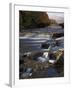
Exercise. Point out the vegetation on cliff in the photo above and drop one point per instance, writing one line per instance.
(32, 19)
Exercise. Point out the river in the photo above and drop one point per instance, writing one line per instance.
(33, 39)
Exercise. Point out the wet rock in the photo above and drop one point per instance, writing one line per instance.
(57, 35)
(42, 59)
(26, 75)
(52, 56)
(29, 70)
(52, 61)
(45, 46)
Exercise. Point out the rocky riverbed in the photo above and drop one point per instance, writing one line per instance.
(41, 53)
(30, 67)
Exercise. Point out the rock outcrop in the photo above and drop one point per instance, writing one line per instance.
(33, 19)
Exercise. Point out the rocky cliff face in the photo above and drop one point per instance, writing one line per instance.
(33, 19)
